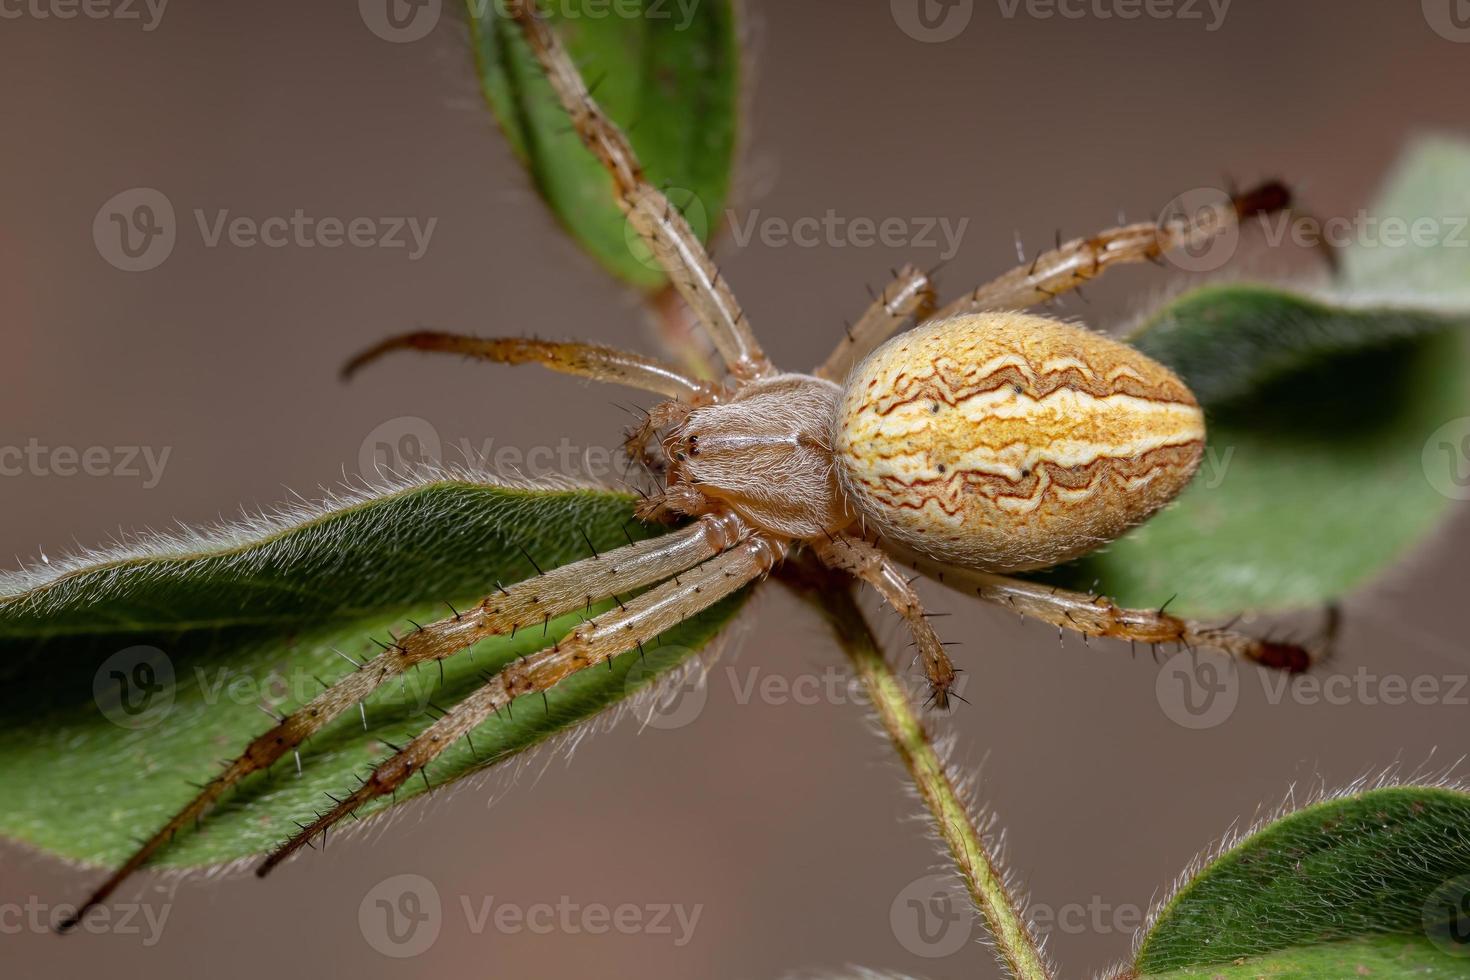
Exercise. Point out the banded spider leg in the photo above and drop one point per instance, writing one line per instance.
(673, 243)
(532, 603)
(1050, 274)
(634, 623)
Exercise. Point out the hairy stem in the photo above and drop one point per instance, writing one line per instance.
(1014, 942)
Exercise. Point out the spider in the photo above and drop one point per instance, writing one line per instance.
(984, 441)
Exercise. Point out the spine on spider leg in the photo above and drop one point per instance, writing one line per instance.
(1099, 616)
(648, 210)
(866, 563)
(591, 644)
(533, 602)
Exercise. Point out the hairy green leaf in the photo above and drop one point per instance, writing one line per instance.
(1322, 466)
(1387, 861)
(129, 677)
(668, 76)
(1381, 956)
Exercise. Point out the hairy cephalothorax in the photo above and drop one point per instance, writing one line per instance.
(983, 442)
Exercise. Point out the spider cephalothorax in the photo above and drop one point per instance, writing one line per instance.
(765, 452)
(984, 441)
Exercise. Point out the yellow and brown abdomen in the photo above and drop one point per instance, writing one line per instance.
(1006, 441)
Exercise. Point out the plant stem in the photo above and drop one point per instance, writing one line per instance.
(1014, 942)
(679, 334)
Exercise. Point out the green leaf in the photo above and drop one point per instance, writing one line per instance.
(126, 678)
(668, 76)
(1431, 181)
(1323, 414)
(1381, 957)
(1322, 886)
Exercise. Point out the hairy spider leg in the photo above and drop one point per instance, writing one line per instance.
(1096, 615)
(673, 243)
(1072, 264)
(869, 564)
(637, 621)
(909, 296)
(531, 603)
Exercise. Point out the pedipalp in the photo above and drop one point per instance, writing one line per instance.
(594, 361)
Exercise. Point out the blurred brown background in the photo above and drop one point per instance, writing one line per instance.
(784, 824)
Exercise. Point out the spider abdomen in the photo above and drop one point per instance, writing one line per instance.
(1006, 441)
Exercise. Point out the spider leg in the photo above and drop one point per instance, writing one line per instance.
(674, 244)
(869, 564)
(910, 294)
(638, 621)
(530, 603)
(1096, 615)
(585, 360)
(1074, 263)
